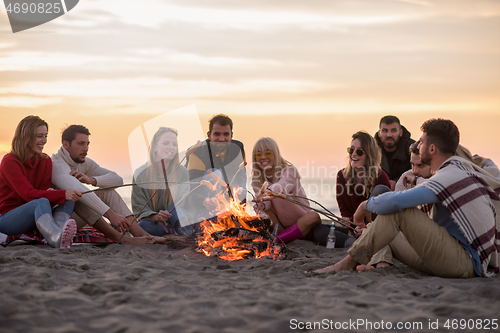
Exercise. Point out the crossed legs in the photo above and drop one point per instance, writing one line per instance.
(429, 247)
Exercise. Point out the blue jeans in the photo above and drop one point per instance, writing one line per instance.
(171, 227)
(23, 219)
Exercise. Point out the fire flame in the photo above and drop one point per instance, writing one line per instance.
(231, 214)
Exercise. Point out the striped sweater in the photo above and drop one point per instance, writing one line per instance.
(471, 196)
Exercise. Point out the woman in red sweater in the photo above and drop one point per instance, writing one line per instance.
(357, 181)
(26, 192)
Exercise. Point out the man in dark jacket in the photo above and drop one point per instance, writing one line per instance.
(394, 141)
(223, 156)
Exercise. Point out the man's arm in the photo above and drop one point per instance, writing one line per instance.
(63, 180)
(103, 177)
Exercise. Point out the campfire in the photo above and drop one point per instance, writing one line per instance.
(234, 234)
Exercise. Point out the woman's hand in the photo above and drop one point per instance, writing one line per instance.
(73, 195)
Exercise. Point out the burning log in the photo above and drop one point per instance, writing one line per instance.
(235, 235)
(240, 233)
(236, 243)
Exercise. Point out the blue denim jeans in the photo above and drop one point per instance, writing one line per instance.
(171, 227)
(23, 219)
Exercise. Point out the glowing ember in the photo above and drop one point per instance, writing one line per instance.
(234, 234)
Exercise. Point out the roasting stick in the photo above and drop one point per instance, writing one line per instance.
(188, 152)
(133, 184)
(241, 167)
(330, 216)
(335, 216)
(201, 183)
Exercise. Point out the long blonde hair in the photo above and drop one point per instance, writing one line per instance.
(153, 170)
(258, 175)
(465, 153)
(25, 137)
(372, 163)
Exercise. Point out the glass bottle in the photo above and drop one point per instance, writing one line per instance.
(330, 241)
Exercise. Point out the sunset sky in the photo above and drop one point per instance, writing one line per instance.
(307, 73)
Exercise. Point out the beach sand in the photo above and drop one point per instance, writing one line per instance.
(152, 288)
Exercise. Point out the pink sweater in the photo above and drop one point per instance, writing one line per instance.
(287, 212)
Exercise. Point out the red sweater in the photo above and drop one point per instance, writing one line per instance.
(21, 183)
(347, 198)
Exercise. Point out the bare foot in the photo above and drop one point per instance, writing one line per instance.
(363, 268)
(138, 240)
(346, 264)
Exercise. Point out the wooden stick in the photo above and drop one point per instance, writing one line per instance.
(333, 218)
(203, 182)
(133, 184)
(241, 167)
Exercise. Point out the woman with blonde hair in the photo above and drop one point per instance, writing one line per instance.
(160, 215)
(26, 193)
(484, 163)
(294, 221)
(357, 181)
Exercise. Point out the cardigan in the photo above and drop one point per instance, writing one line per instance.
(141, 193)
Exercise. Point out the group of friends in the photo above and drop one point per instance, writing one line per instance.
(430, 204)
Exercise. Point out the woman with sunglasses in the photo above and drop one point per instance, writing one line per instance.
(26, 193)
(156, 202)
(294, 221)
(356, 182)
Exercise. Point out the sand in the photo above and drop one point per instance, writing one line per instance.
(152, 288)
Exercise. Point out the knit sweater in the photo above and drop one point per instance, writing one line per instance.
(141, 193)
(21, 183)
(470, 195)
(63, 164)
(289, 183)
(349, 199)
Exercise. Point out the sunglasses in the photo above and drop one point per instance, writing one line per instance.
(267, 154)
(351, 150)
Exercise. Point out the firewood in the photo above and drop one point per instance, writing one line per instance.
(240, 233)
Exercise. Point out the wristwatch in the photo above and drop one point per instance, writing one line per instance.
(415, 181)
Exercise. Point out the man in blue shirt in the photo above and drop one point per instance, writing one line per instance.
(459, 240)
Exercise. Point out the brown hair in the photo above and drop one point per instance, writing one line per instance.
(443, 133)
(220, 119)
(25, 137)
(389, 120)
(69, 134)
